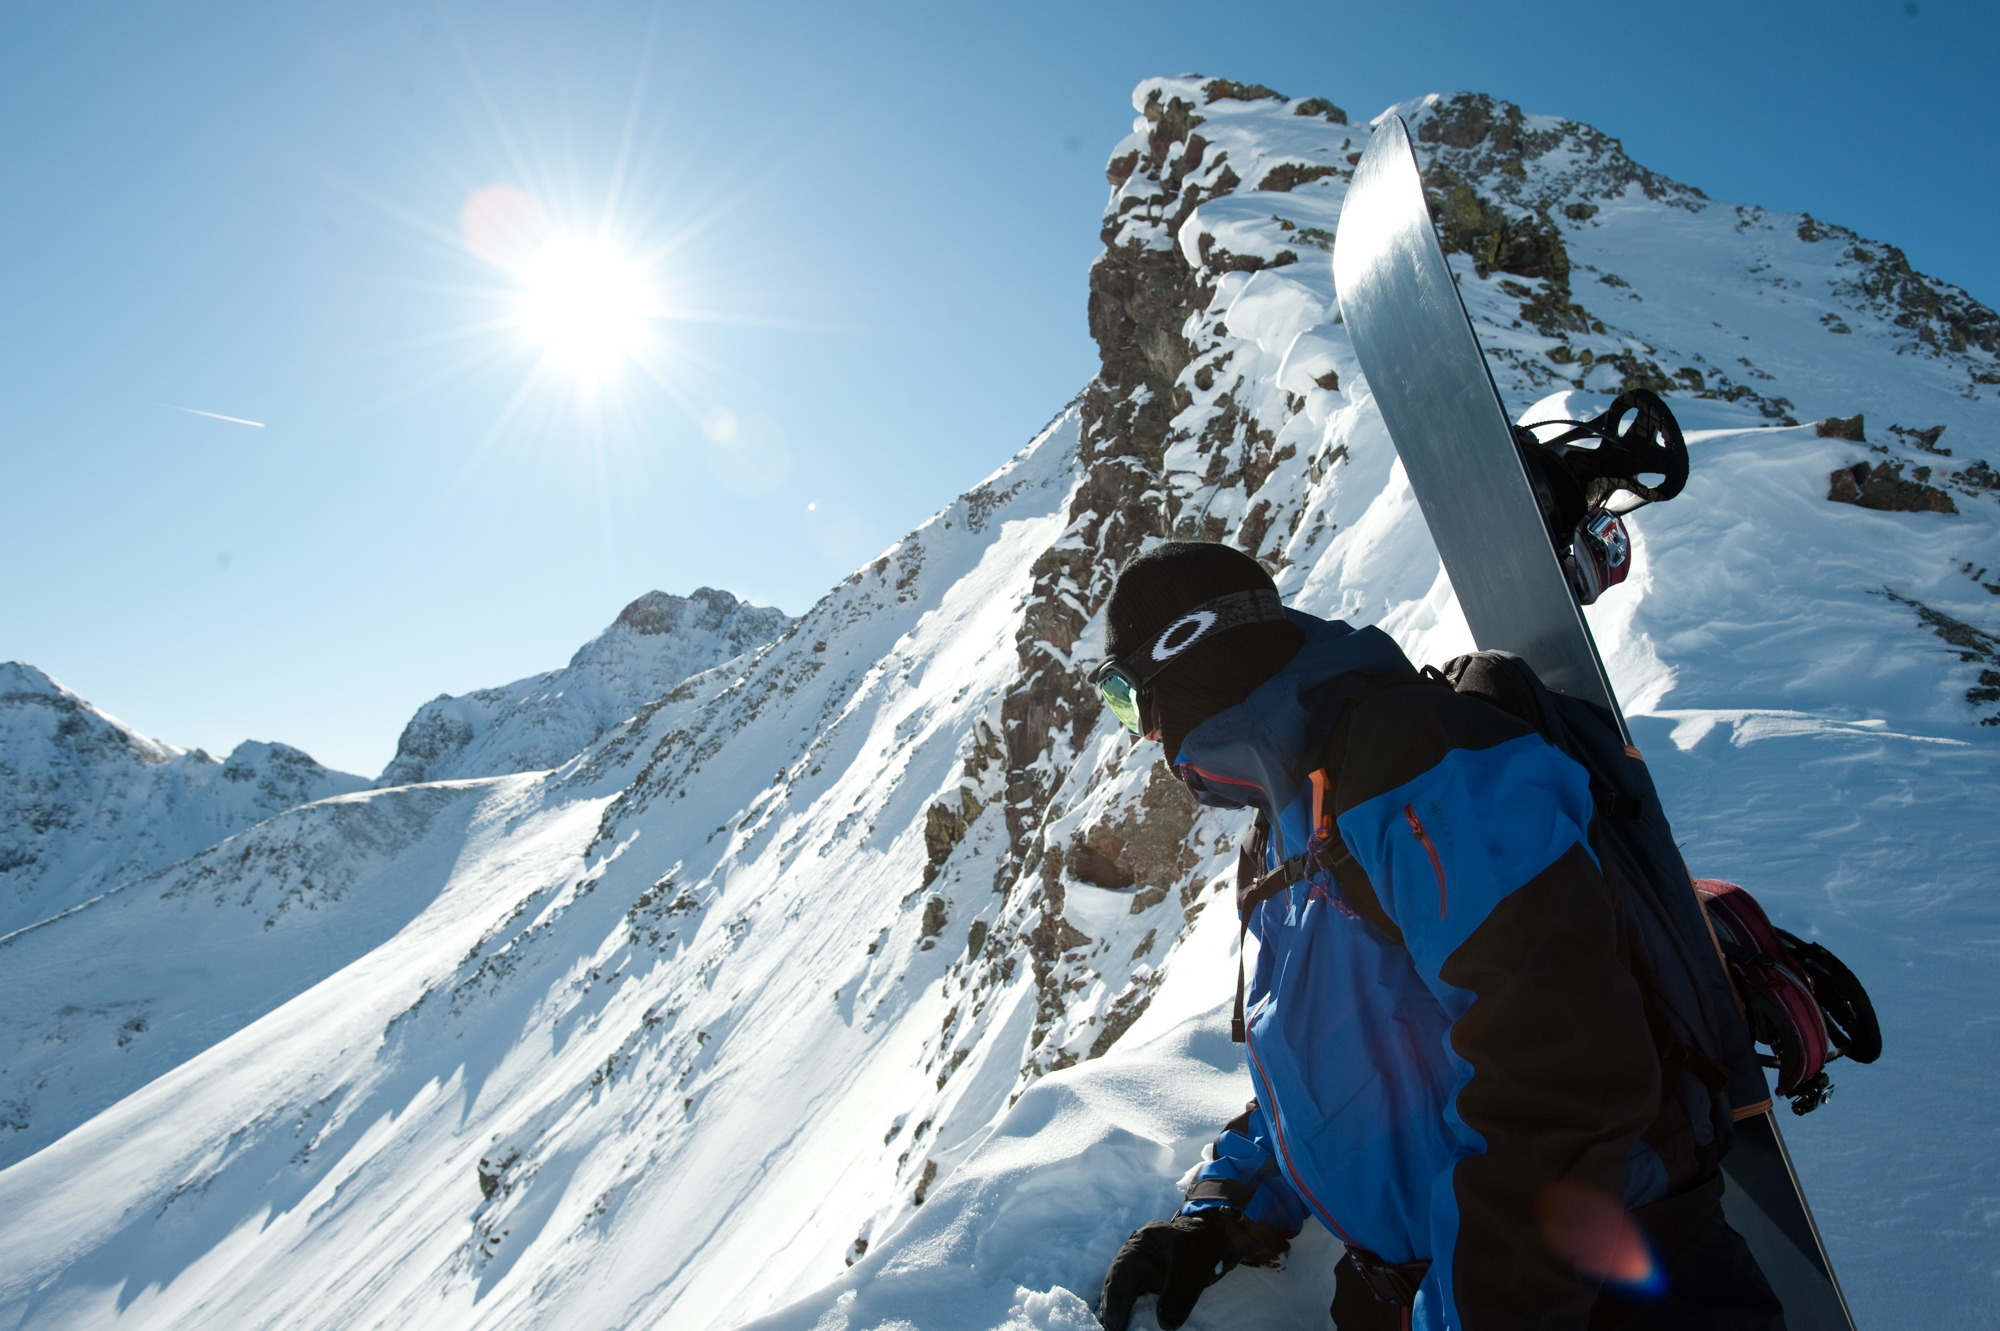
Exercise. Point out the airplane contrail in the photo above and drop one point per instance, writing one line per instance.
(215, 416)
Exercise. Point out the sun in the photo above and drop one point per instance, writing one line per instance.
(585, 303)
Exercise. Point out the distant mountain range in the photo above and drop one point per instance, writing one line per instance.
(858, 971)
(87, 802)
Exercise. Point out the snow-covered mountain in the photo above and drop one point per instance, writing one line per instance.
(86, 802)
(545, 720)
(129, 985)
(882, 981)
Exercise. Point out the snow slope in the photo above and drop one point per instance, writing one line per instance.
(88, 802)
(889, 949)
(134, 982)
(543, 721)
(705, 971)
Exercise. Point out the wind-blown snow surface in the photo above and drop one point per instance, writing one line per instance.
(87, 802)
(891, 937)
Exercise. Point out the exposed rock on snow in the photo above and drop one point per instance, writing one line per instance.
(545, 720)
(86, 802)
(1882, 486)
(888, 912)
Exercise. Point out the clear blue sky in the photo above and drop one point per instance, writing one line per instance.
(882, 213)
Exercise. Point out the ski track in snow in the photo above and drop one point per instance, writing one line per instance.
(652, 1039)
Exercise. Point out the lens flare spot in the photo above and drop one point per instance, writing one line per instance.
(1593, 1231)
(502, 225)
(585, 303)
(840, 534)
(720, 425)
(749, 455)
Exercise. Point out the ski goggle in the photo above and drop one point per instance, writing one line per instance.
(1122, 683)
(1120, 693)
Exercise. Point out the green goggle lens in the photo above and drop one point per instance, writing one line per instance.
(1122, 697)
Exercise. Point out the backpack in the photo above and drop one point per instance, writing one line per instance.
(1702, 1029)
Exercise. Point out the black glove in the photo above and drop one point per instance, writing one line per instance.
(1177, 1259)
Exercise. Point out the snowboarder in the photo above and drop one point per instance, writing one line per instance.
(1453, 1065)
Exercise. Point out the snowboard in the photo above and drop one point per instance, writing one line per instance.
(1436, 393)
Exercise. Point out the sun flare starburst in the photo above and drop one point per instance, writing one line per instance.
(600, 305)
(585, 303)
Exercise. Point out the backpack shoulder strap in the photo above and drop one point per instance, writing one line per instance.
(1254, 887)
(1348, 875)
(1334, 756)
(1355, 889)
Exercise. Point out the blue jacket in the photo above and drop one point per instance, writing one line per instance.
(1431, 1083)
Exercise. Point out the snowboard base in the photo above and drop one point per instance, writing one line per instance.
(1762, 1200)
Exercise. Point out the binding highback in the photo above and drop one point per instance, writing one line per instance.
(1801, 1001)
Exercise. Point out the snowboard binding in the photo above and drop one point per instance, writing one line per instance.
(1584, 492)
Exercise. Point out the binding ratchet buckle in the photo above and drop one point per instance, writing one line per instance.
(1600, 555)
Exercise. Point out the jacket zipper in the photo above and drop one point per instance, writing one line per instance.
(1284, 1150)
(1437, 865)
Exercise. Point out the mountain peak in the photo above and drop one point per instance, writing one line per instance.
(660, 612)
(20, 677)
(533, 724)
(27, 690)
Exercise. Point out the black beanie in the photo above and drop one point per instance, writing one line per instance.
(1165, 583)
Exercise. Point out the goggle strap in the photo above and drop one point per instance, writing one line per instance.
(1235, 610)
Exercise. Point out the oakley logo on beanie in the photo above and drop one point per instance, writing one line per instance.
(1163, 600)
(1235, 610)
(1182, 634)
